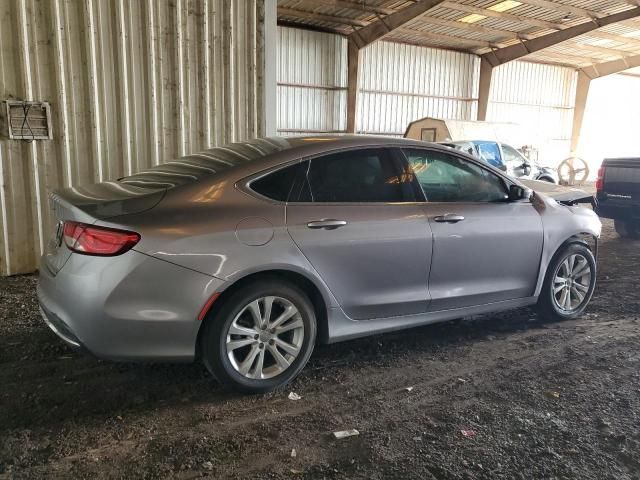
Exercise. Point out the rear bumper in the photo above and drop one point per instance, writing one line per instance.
(132, 307)
(60, 328)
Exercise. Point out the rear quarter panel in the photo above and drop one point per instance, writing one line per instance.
(217, 229)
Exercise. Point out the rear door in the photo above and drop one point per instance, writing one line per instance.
(353, 214)
(485, 248)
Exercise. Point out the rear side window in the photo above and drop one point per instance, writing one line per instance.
(355, 176)
(277, 185)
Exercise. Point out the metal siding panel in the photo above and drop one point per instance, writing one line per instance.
(540, 98)
(131, 84)
(312, 80)
(401, 83)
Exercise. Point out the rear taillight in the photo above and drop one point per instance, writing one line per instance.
(600, 179)
(102, 241)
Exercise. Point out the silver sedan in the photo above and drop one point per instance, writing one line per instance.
(247, 255)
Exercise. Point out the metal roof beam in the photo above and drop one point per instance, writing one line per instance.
(471, 27)
(356, 6)
(386, 25)
(603, 69)
(468, 42)
(504, 15)
(513, 52)
(581, 12)
(321, 17)
(614, 37)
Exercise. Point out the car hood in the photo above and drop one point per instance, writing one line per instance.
(560, 193)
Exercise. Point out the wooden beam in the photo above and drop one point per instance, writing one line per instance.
(603, 69)
(385, 25)
(321, 17)
(582, 92)
(486, 73)
(513, 52)
(353, 67)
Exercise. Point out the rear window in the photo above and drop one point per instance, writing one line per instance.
(196, 166)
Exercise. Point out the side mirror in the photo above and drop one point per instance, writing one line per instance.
(526, 169)
(516, 192)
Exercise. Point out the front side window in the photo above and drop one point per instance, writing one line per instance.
(448, 178)
(355, 176)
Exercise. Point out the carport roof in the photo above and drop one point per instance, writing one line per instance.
(484, 27)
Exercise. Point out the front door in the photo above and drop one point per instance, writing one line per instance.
(354, 216)
(485, 248)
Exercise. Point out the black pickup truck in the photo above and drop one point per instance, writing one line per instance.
(618, 194)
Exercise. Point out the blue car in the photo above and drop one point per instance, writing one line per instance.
(506, 158)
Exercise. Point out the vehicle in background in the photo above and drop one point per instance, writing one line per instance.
(506, 158)
(618, 194)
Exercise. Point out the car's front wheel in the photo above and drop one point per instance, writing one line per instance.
(569, 283)
(261, 337)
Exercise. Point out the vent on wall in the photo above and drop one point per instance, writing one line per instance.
(28, 120)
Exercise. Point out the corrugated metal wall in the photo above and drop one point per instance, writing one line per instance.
(402, 83)
(312, 82)
(398, 84)
(540, 98)
(131, 84)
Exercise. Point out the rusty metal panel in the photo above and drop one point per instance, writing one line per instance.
(312, 82)
(401, 83)
(130, 83)
(541, 99)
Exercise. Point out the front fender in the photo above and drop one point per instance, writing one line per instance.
(563, 225)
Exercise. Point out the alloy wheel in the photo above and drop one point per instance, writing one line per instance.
(571, 282)
(265, 337)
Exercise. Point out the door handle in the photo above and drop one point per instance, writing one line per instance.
(327, 224)
(449, 218)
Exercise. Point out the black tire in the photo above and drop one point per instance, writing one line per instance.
(547, 302)
(214, 336)
(626, 229)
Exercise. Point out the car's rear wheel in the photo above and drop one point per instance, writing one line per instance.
(569, 283)
(627, 229)
(261, 337)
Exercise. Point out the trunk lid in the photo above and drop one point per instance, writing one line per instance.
(142, 191)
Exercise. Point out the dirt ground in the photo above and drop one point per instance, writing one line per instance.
(535, 399)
